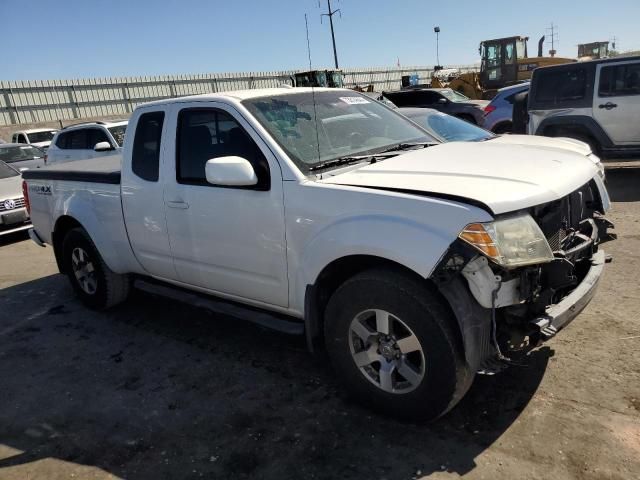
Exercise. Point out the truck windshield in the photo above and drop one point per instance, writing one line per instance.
(36, 137)
(6, 171)
(118, 133)
(454, 96)
(316, 127)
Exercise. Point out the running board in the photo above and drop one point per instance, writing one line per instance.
(272, 321)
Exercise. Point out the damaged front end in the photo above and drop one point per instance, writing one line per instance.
(512, 287)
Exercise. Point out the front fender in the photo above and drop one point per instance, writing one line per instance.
(417, 246)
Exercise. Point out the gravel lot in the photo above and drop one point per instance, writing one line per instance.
(158, 389)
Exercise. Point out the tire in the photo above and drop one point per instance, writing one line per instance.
(439, 375)
(97, 286)
(502, 128)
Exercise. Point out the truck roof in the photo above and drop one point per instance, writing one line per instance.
(245, 94)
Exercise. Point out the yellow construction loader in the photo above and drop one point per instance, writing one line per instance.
(504, 61)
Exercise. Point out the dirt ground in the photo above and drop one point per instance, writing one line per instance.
(157, 389)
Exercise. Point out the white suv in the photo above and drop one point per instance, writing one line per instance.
(597, 102)
(87, 140)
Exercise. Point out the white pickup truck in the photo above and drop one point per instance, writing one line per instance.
(414, 264)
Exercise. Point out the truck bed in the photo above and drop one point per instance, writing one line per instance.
(95, 170)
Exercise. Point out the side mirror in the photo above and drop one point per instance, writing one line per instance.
(230, 171)
(103, 147)
(442, 101)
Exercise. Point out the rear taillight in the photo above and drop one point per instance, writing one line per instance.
(25, 194)
(488, 109)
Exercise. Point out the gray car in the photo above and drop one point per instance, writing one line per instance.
(498, 115)
(13, 214)
(21, 156)
(444, 100)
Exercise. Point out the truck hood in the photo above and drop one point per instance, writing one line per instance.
(502, 178)
(545, 142)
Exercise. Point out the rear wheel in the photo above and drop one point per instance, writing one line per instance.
(393, 345)
(503, 128)
(93, 281)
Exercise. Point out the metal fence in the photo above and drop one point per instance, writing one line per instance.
(36, 101)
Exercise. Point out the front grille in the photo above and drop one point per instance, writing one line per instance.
(555, 239)
(19, 203)
(559, 218)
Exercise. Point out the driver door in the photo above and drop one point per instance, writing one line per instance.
(230, 240)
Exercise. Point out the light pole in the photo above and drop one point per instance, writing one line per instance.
(437, 30)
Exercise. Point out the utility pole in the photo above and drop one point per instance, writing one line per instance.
(554, 39)
(437, 31)
(333, 37)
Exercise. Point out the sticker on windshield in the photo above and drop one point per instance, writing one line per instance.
(354, 100)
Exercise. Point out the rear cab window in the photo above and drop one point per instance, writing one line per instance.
(145, 159)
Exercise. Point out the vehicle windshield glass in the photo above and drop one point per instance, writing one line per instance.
(348, 124)
(6, 171)
(118, 133)
(36, 137)
(449, 128)
(19, 154)
(454, 96)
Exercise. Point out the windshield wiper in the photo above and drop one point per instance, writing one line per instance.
(339, 161)
(408, 145)
(349, 159)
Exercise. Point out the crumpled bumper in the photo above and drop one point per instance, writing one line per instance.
(561, 314)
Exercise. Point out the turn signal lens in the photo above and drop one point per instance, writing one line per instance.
(476, 235)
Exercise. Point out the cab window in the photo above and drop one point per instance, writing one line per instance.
(145, 159)
(619, 80)
(206, 133)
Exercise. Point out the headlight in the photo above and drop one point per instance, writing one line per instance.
(510, 242)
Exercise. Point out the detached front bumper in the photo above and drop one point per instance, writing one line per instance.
(561, 314)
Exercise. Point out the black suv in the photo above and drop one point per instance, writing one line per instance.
(445, 100)
(597, 102)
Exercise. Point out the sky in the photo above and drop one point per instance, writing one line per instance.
(63, 39)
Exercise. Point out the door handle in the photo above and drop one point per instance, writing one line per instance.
(607, 105)
(177, 204)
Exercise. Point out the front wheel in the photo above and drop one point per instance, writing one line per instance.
(93, 281)
(393, 345)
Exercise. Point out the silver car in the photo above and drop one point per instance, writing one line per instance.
(498, 115)
(13, 214)
(21, 156)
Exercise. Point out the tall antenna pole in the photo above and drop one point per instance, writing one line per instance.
(554, 39)
(333, 37)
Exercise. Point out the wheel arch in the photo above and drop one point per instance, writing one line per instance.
(63, 225)
(574, 123)
(335, 274)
